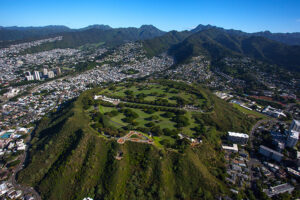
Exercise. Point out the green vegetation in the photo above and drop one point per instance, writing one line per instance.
(218, 43)
(130, 71)
(158, 107)
(250, 112)
(163, 43)
(70, 159)
(111, 37)
(13, 163)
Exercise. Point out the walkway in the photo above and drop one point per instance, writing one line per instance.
(139, 138)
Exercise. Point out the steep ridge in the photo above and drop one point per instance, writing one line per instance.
(216, 44)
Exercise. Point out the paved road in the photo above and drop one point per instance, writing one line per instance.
(253, 161)
(12, 180)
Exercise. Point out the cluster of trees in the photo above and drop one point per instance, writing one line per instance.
(181, 121)
(171, 86)
(200, 128)
(266, 103)
(140, 99)
(83, 66)
(112, 113)
(130, 71)
(87, 101)
(182, 86)
(151, 109)
(180, 101)
(101, 121)
(130, 116)
(102, 124)
(105, 103)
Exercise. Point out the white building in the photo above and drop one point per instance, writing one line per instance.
(13, 92)
(45, 71)
(240, 138)
(37, 75)
(279, 189)
(273, 112)
(295, 126)
(270, 153)
(58, 71)
(234, 148)
(292, 138)
(3, 189)
(29, 78)
(51, 74)
(20, 145)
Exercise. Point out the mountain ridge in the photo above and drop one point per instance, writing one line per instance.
(19, 33)
(217, 43)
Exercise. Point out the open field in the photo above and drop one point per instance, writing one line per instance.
(152, 93)
(250, 112)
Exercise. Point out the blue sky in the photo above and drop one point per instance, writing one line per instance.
(246, 15)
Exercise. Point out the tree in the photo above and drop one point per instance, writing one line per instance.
(150, 124)
(181, 121)
(167, 132)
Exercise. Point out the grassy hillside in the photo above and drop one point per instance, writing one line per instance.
(70, 160)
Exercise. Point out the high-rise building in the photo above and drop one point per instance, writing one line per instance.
(45, 71)
(58, 71)
(29, 78)
(50, 74)
(295, 126)
(292, 138)
(37, 75)
(27, 73)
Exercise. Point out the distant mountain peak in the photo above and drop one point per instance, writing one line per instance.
(149, 27)
(97, 26)
(22, 28)
(202, 27)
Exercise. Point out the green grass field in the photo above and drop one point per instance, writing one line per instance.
(143, 119)
(153, 92)
(250, 112)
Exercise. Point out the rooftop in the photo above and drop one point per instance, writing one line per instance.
(297, 122)
(238, 134)
(281, 188)
(233, 148)
(294, 134)
(270, 150)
